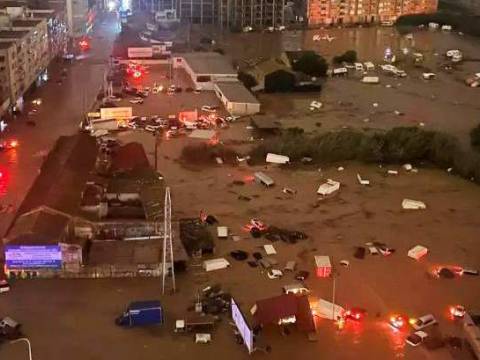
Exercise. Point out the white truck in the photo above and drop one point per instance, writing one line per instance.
(328, 310)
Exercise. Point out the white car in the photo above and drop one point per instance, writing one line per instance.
(208, 108)
(247, 29)
(423, 322)
(416, 338)
(152, 128)
(274, 274)
(428, 76)
(452, 53)
(4, 286)
(400, 73)
(388, 68)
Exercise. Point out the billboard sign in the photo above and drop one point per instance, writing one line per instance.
(242, 326)
(33, 257)
(140, 52)
(116, 113)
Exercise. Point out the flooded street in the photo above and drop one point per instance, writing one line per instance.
(370, 43)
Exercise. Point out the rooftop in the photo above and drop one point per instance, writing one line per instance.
(41, 226)
(63, 175)
(13, 34)
(236, 92)
(25, 23)
(209, 63)
(130, 156)
(131, 252)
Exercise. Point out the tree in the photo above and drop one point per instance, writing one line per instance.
(349, 56)
(279, 81)
(247, 79)
(475, 137)
(311, 63)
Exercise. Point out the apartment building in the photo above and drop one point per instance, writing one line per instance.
(56, 22)
(326, 12)
(197, 11)
(235, 14)
(24, 56)
(254, 13)
(80, 16)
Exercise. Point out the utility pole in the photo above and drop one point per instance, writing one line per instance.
(158, 139)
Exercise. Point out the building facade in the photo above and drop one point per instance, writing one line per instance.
(25, 56)
(253, 13)
(327, 12)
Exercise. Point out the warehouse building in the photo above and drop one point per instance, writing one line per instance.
(237, 99)
(205, 69)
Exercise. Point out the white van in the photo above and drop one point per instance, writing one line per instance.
(296, 289)
(340, 71)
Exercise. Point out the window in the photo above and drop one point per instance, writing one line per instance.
(203, 78)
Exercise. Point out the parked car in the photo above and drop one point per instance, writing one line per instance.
(423, 322)
(416, 338)
(136, 101)
(4, 286)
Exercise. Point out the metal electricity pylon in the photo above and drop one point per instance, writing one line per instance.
(167, 242)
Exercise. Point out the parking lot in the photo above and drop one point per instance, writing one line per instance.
(162, 103)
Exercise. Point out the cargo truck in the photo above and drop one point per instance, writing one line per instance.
(141, 313)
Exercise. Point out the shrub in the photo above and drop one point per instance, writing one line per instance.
(405, 144)
(279, 81)
(312, 64)
(349, 56)
(398, 145)
(204, 154)
(475, 137)
(247, 79)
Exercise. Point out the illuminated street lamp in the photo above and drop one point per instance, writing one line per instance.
(28, 343)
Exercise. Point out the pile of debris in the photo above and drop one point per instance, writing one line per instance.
(258, 229)
(212, 300)
(196, 237)
(274, 233)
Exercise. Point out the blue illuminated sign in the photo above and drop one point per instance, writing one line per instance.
(33, 257)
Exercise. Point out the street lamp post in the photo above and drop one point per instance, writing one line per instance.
(28, 343)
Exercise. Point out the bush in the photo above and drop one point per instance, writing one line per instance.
(398, 145)
(349, 56)
(204, 154)
(406, 144)
(248, 80)
(279, 81)
(475, 137)
(312, 64)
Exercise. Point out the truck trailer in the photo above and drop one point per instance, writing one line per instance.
(141, 313)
